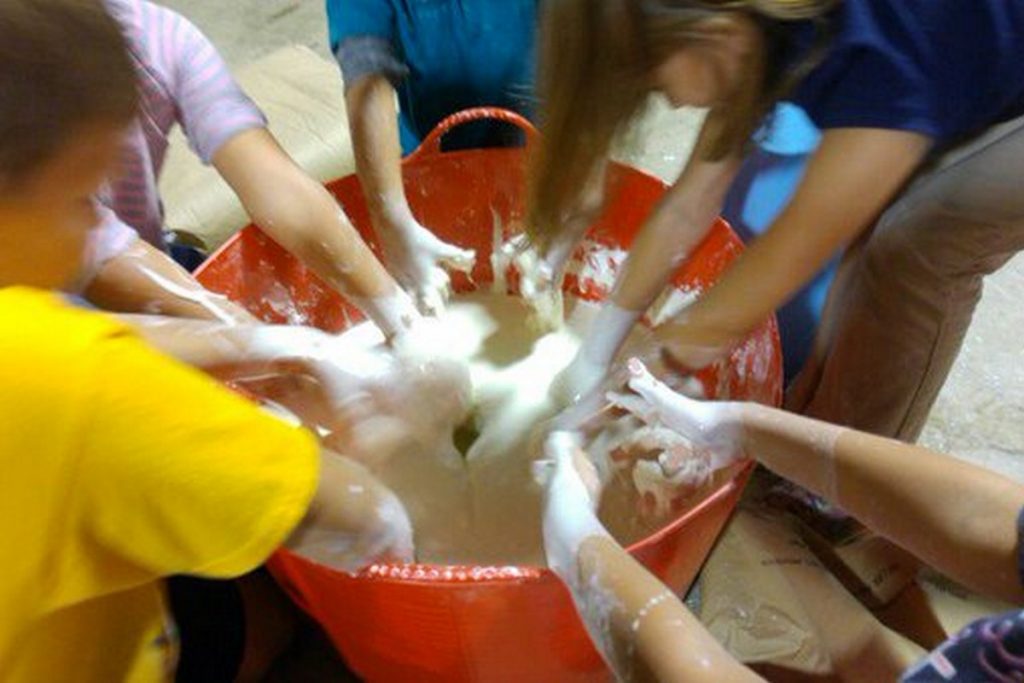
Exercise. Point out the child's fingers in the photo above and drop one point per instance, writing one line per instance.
(649, 389)
(432, 295)
(535, 278)
(564, 452)
(457, 259)
(646, 385)
(640, 378)
(634, 405)
(587, 472)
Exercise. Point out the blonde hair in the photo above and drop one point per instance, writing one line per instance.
(595, 76)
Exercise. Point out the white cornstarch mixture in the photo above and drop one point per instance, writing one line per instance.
(471, 495)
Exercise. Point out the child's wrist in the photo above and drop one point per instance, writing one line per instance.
(392, 210)
(606, 335)
(395, 313)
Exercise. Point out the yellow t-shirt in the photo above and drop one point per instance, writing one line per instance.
(119, 466)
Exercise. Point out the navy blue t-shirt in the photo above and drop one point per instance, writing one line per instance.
(943, 68)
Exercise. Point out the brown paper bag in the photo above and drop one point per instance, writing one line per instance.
(775, 606)
(874, 570)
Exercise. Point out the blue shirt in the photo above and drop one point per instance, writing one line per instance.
(458, 54)
(943, 68)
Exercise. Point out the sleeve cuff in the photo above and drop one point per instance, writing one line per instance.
(364, 56)
(281, 518)
(237, 118)
(109, 240)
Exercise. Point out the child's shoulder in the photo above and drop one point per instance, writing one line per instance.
(36, 321)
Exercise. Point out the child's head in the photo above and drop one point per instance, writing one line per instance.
(67, 92)
(600, 62)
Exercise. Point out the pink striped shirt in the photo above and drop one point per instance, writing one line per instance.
(182, 80)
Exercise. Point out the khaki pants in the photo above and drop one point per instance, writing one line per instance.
(903, 299)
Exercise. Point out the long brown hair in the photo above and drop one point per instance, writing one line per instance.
(595, 77)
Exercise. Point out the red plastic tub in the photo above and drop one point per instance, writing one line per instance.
(435, 623)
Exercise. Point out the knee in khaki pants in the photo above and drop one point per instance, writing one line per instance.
(895, 323)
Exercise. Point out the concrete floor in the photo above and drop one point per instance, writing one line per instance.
(980, 414)
(244, 30)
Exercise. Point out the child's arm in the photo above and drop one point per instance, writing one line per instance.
(353, 519)
(371, 400)
(177, 475)
(414, 254)
(303, 217)
(957, 517)
(666, 642)
(313, 373)
(141, 278)
(678, 224)
(233, 352)
(641, 629)
(850, 179)
(226, 129)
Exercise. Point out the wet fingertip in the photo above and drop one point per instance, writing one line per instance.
(468, 258)
(636, 367)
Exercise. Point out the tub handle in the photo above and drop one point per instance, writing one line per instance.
(431, 145)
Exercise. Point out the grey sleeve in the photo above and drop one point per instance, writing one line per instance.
(363, 56)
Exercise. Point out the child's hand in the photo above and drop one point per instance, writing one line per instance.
(716, 427)
(540, 281)
(353, 521)
(415, 405)
(418, 259)
(572, 490)
(594, 359)
(370, 402)
(433, 377)
(664, 467)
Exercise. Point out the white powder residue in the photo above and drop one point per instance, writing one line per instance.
(472, 496)
(486, 509)
(753, 358)
(502, 253)
(670, 304)
(597, 266)
(281, 302)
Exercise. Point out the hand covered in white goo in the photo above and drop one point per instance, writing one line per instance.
(684, 441)
(571, 493)
(370, 403)
(354, 520)
(707, 424)
(540, 280)
(418, 259)
(594, 358)
(416, 403)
